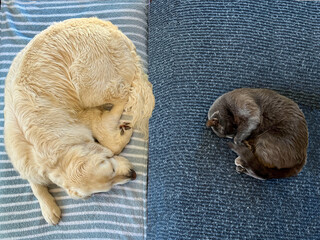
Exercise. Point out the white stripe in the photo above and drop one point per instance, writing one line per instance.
(9, 178)
(8, 170)
(143, 156)
(132, 26)
(27, 185)
(14, 195)
(19, 212)
(48, 23)
(96, 230)
(130, 155)
(12, 45)
(71, 206)
(139, 52)
(36, 32)
(63, 2)
(141, 139)
(129, 189)
(61, 223)
(56, 189)
(19, 178)
(14, 186)
(5, 62)
(48, 15)
(136, 147)
(14, 204)
(9, 53)
(38, 210)
(105, 195)
(4, 161)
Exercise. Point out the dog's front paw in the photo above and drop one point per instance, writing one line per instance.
(51, 213)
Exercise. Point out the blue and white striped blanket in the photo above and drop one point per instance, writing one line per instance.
(118, 214)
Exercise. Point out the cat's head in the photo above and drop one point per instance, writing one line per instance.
(222, 124)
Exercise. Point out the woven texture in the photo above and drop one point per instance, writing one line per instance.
(117, 214)
(199, 50)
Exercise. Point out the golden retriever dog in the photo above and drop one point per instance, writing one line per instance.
(54, 96)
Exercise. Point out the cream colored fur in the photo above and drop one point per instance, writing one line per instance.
(54, 92)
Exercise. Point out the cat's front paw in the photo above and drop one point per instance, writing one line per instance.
(240, 169)
(239, 165)
(237, 140)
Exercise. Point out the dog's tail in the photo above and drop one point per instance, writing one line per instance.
(255, 168)
(141, 102)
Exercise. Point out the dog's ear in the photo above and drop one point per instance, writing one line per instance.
(213, 122)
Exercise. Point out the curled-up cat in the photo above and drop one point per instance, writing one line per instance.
(269, 130)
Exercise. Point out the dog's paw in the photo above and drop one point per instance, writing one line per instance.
(51, 213)
(124, 127)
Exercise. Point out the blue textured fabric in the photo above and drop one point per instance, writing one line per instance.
(199, 50)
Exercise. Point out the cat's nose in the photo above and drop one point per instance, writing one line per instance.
(132, 174)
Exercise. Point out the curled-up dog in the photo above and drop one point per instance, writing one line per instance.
(54, 117)
(269, 131)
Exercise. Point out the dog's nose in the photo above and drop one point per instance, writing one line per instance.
(132, 174)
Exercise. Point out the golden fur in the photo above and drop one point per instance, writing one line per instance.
(54, 92)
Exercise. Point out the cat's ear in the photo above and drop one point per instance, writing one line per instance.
(215, 115)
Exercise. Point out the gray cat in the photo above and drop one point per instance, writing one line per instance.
(269, 131)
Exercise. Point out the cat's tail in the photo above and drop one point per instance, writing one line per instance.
(254, 167)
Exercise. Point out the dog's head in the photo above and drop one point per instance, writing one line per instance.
(91, 170)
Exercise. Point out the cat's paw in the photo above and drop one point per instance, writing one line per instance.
(239, 165)
(240, 169)
(237, 140)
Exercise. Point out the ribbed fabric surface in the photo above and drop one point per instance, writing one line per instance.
(199, 50)
(118, 214)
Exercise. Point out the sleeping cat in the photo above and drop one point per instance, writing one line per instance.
(269, 131)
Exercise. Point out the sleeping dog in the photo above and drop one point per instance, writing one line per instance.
(53, 96)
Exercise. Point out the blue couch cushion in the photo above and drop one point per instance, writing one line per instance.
(199, 50)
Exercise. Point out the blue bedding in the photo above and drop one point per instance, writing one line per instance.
(118, 214)
(199, 50)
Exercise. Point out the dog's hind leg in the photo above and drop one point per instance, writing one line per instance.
(49, 208)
